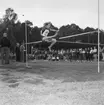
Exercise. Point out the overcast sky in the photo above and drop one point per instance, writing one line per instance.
(60, 12)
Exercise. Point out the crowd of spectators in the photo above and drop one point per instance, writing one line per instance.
(79, 54)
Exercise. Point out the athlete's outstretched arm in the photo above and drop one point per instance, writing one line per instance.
(56, 33)
(53, 30)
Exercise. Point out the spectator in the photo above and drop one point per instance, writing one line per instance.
(100, 56)
(103, 53)
(77, 54)
(22, 48)
(95, 53)
(83, 54)
(5, 48)
(74, 54)
(88, 54)
(91, 54)
(18, 52)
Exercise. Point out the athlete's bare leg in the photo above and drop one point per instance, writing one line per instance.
(52, 43)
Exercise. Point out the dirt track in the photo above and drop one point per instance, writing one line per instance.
(54, 84)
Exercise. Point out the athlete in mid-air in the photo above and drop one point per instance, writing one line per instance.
(45, 32)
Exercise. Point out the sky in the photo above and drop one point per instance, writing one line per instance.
(60, 12)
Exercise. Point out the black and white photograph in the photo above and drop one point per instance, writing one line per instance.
(51, 52)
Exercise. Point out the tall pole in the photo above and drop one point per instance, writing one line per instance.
(27, 66)
(98, 40)
(26, 43)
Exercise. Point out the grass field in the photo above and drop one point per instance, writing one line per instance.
(52, 83)
(77, 71)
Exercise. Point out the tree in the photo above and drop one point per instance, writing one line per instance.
(29, 23)
(10, 15)
(17, 32)
(17, 26)
(3, 25)
(10, 19)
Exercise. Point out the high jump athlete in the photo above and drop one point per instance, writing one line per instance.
(45, 32)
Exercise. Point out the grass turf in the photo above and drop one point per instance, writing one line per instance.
(64, 71)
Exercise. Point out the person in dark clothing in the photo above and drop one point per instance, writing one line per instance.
(5, 49)
(88, 54)
(22, 52)
(18, 52)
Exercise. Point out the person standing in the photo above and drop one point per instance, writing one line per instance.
(5, 48)
(22, 49)
(91, 54)
(103, 53)
(95, 53)
(18, 52)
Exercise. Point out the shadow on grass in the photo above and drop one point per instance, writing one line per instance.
(14, 85)
(35, 81)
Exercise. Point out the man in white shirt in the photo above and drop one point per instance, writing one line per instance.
(95, 53)
(91, 54)
(95, 50)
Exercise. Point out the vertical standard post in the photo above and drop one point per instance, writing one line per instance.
(26, 43)
(98, 41)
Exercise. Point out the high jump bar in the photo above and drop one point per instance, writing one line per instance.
(77, 34)
(64, 37)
